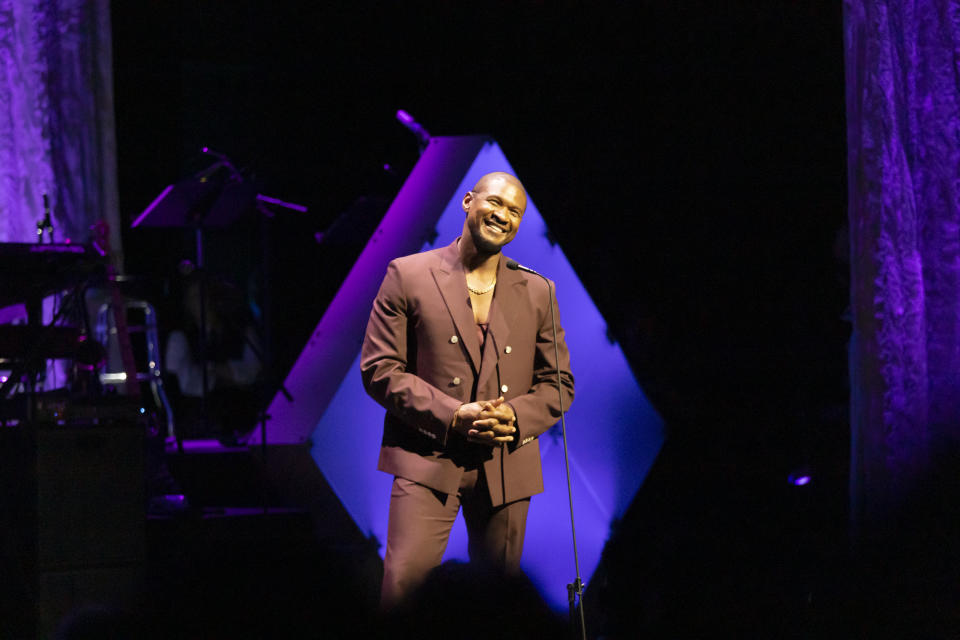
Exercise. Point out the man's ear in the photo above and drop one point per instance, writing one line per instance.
(467, 199)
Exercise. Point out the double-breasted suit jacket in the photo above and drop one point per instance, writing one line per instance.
(422, 359)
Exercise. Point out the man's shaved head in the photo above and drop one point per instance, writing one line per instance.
(498, 175)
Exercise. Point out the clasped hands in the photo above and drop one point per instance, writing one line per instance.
(487, 422)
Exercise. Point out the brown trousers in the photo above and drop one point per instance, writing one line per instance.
(419, 527)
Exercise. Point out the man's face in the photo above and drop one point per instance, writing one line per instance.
(494, 210)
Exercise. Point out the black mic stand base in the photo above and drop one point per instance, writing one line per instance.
(575, 601)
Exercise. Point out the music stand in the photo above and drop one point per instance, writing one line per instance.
(216, 197)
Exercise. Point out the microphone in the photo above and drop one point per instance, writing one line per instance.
(407, 120)
(215, 154)
(516, 266)
(222, 161)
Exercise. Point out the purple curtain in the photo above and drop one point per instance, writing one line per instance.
(56, 118)
(903, 108)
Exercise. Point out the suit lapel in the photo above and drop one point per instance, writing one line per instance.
(452, 282)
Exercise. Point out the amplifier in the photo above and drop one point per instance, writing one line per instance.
(72, 499)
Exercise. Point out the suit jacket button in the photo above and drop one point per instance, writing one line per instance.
(456, 381)
(504, 388)
(454, 339)
(507, 349)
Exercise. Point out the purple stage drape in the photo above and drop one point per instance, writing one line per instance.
(56, 118)
(903, 107)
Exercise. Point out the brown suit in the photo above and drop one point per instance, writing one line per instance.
(421, 360)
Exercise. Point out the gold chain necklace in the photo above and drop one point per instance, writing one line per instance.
(480, 292)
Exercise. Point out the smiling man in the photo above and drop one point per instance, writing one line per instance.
(459, 351)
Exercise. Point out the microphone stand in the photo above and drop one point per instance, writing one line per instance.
(271, 379)
(574, 589)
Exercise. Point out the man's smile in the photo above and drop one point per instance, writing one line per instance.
(493, 226)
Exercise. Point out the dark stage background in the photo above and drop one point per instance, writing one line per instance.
(688, 157)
